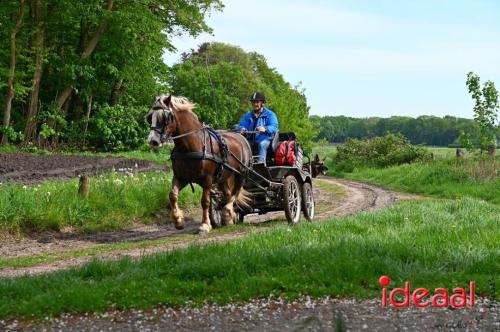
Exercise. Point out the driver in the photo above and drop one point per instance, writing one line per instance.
(261, 120)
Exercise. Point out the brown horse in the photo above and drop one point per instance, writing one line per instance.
(198, 157)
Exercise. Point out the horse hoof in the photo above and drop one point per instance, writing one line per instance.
(204, 228)
(179, 225)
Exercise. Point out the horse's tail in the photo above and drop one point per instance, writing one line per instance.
(244, 199)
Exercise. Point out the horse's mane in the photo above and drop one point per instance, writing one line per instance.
(182, 103)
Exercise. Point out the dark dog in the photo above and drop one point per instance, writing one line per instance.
(318, 167)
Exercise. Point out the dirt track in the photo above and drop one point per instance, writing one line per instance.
(28, 169)
(359, 197)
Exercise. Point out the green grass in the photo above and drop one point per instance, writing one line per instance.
(160, 156)
(50, 257)
(447, 176)
(115, 201)
(431, 243)
(450, 178)
(331, 188)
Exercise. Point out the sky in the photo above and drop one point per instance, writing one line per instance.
(364, 58)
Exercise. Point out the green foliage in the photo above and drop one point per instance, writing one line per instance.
(13, 135)
(115, 201)
(428, 130)
(125, 68)
(444, 177)
(391, 149)
(432, 243)
(485, 112)
(219, 78)
(118, 127)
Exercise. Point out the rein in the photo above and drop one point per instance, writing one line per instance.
(203, 127)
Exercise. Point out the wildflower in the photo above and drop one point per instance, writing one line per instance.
(118, 182)
(25, 187)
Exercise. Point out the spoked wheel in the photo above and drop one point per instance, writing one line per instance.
(308, 201)
(240, 215)
(292, 198)
(214, 212)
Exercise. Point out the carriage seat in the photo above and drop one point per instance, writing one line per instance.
(277, 139)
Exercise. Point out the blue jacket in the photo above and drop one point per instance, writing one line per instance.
(267, 119)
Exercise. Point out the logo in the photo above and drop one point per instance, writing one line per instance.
(422, 297)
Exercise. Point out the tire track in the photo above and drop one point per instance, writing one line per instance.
(360, 197)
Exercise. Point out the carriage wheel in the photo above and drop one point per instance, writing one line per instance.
(214, 212)
(291, 197)
(239, 216)
(308, 201)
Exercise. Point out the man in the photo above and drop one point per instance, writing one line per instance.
(261, 120)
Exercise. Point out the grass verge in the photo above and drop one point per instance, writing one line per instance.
(50, 257)
(432, 244)
(450, 178)
(115, 201)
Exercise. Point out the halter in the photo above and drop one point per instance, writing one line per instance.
(169, 117)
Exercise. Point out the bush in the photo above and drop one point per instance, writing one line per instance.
(117, 128)
(388, 150)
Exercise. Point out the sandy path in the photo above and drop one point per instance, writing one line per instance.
(360, 197)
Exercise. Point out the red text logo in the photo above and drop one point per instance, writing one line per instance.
(422, 297)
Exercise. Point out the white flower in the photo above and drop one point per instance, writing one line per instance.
(25, 187)
(118, 182)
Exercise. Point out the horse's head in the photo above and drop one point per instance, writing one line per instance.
(318, 167)
(161, 121)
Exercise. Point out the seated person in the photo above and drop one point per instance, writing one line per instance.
(261, 120)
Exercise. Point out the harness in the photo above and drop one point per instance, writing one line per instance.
(208, 132)
(204, 155)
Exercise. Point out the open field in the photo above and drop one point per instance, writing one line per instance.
(440, 152)
(447, 176)
(441, 243)
(432, 243)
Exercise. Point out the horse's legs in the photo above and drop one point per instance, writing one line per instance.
(231, 189)
(205, 226)
(175, 212)
(228, 215)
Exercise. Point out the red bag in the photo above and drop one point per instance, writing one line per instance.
(285, 154)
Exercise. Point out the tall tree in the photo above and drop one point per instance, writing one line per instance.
(11, 74)
(30, 129)
(220, 78)
(485, 110)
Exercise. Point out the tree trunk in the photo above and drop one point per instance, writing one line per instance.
(87, 118)
(12, 71)
(117, 92)
(31, 123)
(87, 52)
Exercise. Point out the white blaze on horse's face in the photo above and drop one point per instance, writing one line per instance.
(154, 137)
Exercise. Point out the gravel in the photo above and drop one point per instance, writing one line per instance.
(325, 314)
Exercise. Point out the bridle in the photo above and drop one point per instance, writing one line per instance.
(168, 115)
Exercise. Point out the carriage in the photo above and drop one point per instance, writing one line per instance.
(233, 184)
(273, 188)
